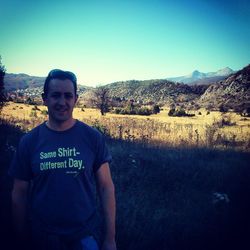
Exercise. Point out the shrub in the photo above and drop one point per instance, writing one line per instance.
(156, 109)
(33, 114)
(223, 108)
(179, 112)
(44, 112)
(134, 111)
(245, 112)
(103, 129)
(35, 108)
(144, 111)
(171, 112)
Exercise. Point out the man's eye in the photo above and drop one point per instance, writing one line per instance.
(69, 96)
(55, 95)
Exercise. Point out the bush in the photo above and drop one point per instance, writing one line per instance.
(35, 108)
(223, 109)
(134, 111)
(179, 112)
(44, 112)
(33, 114)
(171, 112)
(245, 112)
(144, 111)
(102, 128)
(156, 109)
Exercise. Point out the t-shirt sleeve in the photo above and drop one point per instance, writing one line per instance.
(102, 154)
(20, 167)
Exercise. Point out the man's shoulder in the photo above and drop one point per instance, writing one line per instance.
(32, 134)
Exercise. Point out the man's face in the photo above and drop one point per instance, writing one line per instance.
(60, 100)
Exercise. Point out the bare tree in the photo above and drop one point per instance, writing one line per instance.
(101, 100)
(2, 74)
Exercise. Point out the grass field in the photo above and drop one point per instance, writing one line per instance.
(168, 198)
(182, 183)
(213, 129)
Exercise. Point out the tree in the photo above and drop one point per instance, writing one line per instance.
(156, 109)
(2, 94)
(101, 99)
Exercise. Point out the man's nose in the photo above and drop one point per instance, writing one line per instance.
(61, 100)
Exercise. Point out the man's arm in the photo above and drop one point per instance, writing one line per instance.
(107, 195)
(19, 209)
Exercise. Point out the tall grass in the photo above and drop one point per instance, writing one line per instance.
(153, 132)
(167, 198)
(169, 195)
(213, 130)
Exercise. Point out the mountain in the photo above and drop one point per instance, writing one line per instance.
(197, 77)
(230, 93)
(14, 82)
(22, 81)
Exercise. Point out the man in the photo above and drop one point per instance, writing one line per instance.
(55, 170)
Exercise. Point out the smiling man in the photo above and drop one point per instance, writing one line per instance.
(57, 168)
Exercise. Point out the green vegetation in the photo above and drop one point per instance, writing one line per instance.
(179, 112)
(136, 109)
(168, 197)
(2, 94)
(100, 99)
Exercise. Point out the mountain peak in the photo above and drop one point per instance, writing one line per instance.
(224, 72)
(197, 76)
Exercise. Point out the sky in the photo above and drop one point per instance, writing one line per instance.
(114, 40)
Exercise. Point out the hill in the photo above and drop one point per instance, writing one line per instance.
(153, 91)
(13, 82)
(231, 93)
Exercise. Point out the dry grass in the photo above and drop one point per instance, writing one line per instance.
(165, 196)
(203, 129)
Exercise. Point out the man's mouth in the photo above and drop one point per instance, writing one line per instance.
(61, 110)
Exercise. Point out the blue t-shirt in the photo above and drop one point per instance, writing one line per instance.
(61, 167)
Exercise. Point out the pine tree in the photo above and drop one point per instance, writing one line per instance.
(2, 94)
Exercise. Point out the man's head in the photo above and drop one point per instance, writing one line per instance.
(59, 74)
(60, 95)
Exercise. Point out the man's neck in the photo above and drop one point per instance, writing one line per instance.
(61, 126)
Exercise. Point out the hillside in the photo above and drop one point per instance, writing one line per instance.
(157, 91)
(231, 93)
(13, 82)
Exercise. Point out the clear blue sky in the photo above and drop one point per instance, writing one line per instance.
(106, 41)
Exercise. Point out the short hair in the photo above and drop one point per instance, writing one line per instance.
(59, 74)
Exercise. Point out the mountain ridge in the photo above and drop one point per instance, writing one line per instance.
(232, 92)
(197, 77)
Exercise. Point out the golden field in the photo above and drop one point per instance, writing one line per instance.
(203, 129)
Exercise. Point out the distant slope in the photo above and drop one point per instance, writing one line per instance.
(14, 82)
(157, 91)
(22, 81)
(197, 77)
(233, 92)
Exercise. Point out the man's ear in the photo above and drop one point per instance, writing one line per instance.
(44, 99)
